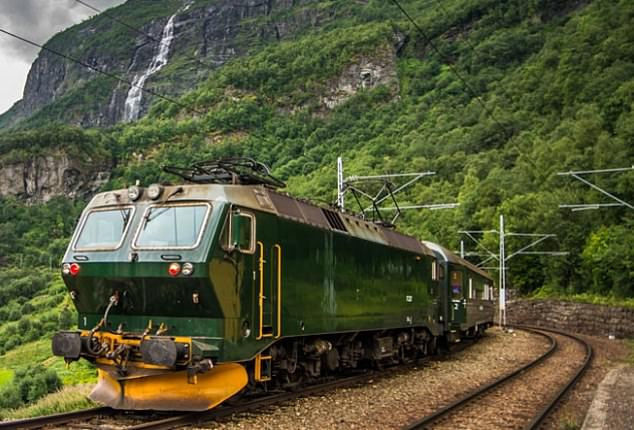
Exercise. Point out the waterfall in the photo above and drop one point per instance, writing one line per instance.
(133, 100)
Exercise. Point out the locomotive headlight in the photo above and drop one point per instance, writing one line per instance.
(188, 269)
(154, 191)
(66, 269)
(134, 192)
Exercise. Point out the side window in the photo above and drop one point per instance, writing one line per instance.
(434, 271)
(242, 231)
(471, 295)
(456, 284)
(441, 272)
(485, 292)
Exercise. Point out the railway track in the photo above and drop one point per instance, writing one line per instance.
(511, 400)
(57, 419)
(84, 419)
(98, 418)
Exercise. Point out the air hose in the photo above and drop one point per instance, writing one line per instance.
(112, 301)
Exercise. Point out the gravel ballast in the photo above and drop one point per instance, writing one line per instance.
(393, 400)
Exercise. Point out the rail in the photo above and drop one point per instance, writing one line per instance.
(539, 417)
(56, 419)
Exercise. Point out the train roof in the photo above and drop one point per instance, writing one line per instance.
(262, 198)
(450, 257)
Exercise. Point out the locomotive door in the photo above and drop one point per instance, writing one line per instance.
(458, 303)
(268, 282)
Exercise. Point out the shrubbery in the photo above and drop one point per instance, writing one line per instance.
(27, 386)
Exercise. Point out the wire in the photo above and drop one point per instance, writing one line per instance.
(130, 27)
(444, 11)
(110, 75)
(452, 68)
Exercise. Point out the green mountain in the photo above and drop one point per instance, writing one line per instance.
(496, 97)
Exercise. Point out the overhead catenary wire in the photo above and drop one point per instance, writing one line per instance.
(455, 71)
(96, 69)
(443, 9)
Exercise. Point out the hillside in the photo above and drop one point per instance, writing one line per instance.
(550, 89)
(124, 40)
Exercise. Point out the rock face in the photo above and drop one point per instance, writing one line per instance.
(41, 178)
(367, 73)
(44, 82)
(597, 320)
(207, 34)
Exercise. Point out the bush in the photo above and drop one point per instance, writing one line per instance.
(28, 386)
(10, 397)
(24, 324)
(65, 319)
(12, 342)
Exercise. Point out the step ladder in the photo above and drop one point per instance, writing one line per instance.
(263, 367)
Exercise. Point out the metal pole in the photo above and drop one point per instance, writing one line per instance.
(502, 298)
(462, 249)
(340, 184)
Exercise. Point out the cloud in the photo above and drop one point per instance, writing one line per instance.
(38, 20)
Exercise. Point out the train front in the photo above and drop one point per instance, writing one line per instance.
(139, 271)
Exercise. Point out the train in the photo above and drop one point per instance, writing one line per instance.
(191, 294)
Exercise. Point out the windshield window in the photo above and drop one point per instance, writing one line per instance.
(103, 229)
(172, 226)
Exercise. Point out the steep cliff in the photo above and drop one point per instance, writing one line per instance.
(38, 165)
(42, 177)
(206, 35)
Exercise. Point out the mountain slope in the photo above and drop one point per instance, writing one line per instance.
(206, 35)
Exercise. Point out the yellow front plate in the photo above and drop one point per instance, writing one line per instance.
(171, 391)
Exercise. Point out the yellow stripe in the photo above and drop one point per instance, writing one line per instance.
(261, 296)
(279, 290)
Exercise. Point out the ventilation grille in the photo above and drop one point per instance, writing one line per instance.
(334, 220)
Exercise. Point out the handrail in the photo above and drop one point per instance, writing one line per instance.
(279, 290)
(261, 295)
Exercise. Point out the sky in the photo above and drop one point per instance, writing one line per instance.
(36, 20)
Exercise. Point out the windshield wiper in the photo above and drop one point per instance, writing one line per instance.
(125, 216)
(149, 218)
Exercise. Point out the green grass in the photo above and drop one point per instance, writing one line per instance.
(595, 299)
(37, 351)
(6, 375)
(80, 372)
(66, 400)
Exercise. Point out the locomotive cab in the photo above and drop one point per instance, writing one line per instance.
(149, 279)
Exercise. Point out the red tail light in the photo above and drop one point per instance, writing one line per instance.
(74, 269)
(174, 269)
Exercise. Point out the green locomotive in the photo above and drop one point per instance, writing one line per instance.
(190, 294)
